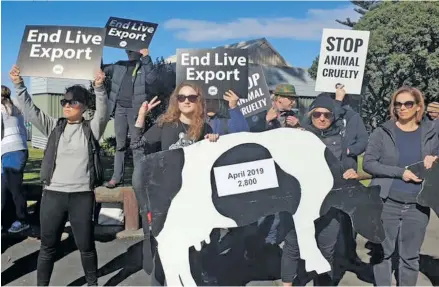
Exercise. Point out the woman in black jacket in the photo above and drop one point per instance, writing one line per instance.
(400, 142)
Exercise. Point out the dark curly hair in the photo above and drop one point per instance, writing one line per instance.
(79, 93)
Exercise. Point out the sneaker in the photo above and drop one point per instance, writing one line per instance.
(18, 226)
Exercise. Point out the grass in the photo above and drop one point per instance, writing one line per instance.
(360, 170)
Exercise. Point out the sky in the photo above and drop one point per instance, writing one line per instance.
(293, 28)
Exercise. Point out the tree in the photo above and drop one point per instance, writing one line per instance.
(403, 50)
(362, 8)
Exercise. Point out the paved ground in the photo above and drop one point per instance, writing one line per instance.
(120, 263)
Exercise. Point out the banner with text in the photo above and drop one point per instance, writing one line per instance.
(258, 99)
(129, 34)
(61, 52)
(342, 60)
(214, 70)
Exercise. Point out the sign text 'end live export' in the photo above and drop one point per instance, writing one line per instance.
(61, 52)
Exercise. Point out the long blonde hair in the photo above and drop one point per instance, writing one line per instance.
(172, 114)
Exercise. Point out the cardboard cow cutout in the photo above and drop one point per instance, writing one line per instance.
(241, 178)
(428, 196)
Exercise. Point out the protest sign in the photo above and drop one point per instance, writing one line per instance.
(238, 180)
(214, 70)
(129, 34)
(61, 52)
(342, 60)
(258, 99)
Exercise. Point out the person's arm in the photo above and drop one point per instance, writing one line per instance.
(148, 69)
(237, 122)
(43, 122)
(372, 156)
(107, 68)
(361, 136)
(148, 141)
(100, 118)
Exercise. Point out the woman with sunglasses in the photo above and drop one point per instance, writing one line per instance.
(400, 142)
(181, 125)
(336, 127)
(68, 172)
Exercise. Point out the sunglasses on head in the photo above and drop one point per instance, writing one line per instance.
(408, 104)
(72, 103)
(317, 115)
(191, 98)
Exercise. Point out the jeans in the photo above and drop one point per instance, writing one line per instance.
(56, 207)
(405, 225)
(13, 164)
(124, 121)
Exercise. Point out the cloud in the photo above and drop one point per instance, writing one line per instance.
(307, 28)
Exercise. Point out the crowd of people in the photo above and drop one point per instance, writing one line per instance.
(71, 167)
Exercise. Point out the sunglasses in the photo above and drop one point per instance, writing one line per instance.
(72, 103)
(191, 98)
(408, 104)
(317, 115)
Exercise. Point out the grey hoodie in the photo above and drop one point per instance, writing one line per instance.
(381, 157)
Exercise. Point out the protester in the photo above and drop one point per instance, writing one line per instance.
(181, 125)
(225, 122)
(70, 171)
(433, 111)
(338, 130)
(130, 83)
(14, 157)
(400, 142)
(282, 113)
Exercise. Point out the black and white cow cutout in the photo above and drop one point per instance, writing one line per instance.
(189, 198)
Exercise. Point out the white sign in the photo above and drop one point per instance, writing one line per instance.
(245, 177)
(342, 60)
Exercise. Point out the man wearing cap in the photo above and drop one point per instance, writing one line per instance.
(282, 114)
(130, 86)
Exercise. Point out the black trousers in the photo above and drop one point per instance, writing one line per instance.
(56, 207)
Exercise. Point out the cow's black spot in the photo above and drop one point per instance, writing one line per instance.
(362, 204)
(248, 207)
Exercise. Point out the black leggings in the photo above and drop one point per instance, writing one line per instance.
(56, 207)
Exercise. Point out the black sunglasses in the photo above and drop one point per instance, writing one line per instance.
(191, 98)
(317, 115)
(408, 104)
(72, 103)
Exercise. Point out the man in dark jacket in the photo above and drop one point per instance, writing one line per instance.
(343, 132)
(130, 86)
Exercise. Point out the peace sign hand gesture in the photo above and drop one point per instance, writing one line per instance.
(144, 110)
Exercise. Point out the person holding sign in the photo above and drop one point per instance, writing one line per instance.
(336, 131)
(70, 171)
(282, 114)
(402, 141)
(181, 125)
(218, 120)
(130, 87)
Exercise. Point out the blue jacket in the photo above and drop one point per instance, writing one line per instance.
(237, 123)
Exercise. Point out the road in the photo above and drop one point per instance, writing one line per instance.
(120, 263)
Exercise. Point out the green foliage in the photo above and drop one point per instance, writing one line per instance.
(362, 8)
(108, 146)
(403, 50)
